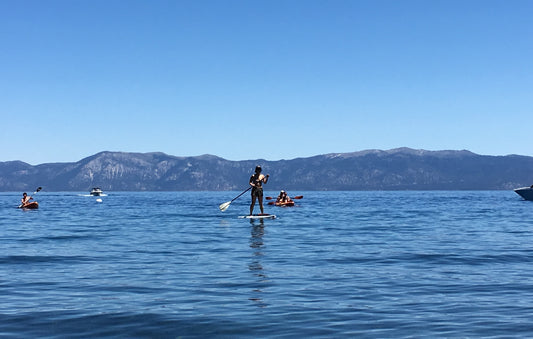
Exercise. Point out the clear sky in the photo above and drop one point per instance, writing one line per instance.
(263, 79)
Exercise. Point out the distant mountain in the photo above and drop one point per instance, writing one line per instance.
(396, 169)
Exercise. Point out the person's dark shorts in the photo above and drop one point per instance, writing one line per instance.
(257, 192)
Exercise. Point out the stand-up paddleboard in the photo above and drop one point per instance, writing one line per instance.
(258, 216)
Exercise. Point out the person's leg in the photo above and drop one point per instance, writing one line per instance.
(252, 204)
(261, 203)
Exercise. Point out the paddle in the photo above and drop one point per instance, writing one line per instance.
(293, 198)
(31, 196)
(225, 205)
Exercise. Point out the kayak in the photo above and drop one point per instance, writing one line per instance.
(282, 204)
(31, 206)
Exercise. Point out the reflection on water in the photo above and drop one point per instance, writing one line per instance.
(255, 266)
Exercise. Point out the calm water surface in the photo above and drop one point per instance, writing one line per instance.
(339, 264)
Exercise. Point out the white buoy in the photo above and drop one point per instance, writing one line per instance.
(98, 200)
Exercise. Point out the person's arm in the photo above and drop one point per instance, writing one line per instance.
(265, 178)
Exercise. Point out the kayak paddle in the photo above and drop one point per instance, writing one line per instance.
(225, 205)
(296, 197)
(31, 196)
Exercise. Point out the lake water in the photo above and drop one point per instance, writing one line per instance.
(337, 265)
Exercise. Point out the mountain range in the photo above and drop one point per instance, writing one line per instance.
(396, 169)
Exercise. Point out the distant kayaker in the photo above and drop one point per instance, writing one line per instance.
(25, 199)
(256, 181)
(283, 197)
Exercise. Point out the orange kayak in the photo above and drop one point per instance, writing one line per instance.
(282, 204)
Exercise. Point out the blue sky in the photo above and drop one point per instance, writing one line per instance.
(264, 79)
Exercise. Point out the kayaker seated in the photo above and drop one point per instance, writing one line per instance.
(25, 199)
(283, 197)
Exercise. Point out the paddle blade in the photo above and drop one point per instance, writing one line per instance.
(224, 206)
(38, 189)
(269, 198)
(298, 197)
(271, 202)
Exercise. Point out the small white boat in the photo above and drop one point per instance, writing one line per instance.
(96, 191)
(525, 192)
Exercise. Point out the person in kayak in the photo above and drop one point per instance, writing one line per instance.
(25, 199)
(283, 197)
(256, 181)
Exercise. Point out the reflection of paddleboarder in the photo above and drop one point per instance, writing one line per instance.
(256, 181)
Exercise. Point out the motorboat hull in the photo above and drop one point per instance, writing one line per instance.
(96, 192)
(525, 192)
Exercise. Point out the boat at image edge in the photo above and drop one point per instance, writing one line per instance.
(525, 192)
(96, 191)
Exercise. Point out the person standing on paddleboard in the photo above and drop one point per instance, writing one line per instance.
(256, 181)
